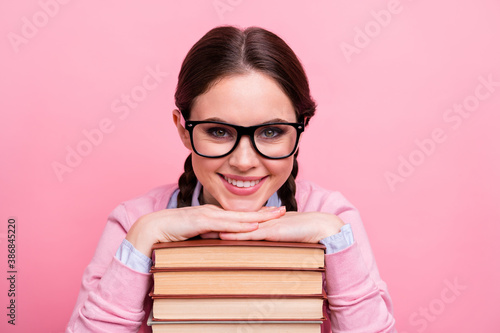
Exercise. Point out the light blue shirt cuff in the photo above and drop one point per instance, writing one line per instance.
(340, 241)
(133, 258)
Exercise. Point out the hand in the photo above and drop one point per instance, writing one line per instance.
(308, 227)
(215, 235)
(172, 225)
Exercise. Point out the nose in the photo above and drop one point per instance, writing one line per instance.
(244, 157)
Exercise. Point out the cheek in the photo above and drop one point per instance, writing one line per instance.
(280, 169)
(205, 167)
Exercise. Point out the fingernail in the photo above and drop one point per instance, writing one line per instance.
(281, 209)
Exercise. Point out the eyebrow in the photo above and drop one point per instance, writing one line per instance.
(274, 120)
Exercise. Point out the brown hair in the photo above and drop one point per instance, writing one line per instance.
(227, 51)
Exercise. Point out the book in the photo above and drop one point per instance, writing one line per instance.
(237, 282)
(237, 327)
(220, 253)
(267, 307)
(216, 326)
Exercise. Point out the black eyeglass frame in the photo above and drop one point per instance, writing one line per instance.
(244, 130)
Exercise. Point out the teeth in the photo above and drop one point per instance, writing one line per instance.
(241, 183)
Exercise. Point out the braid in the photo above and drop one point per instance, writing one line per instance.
(187, 183)
(286, 193)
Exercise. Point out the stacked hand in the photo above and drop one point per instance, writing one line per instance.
(209, 221)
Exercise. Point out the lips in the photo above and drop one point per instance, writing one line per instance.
(242, 185)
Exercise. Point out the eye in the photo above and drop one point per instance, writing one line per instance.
(219, 132)
(270, 132)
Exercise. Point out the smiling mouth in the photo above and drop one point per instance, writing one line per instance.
(242, 183)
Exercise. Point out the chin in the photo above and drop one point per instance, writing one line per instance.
(243, 205)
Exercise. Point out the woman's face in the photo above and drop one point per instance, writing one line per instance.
(245, 100)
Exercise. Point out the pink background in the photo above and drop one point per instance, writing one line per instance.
(436, 225)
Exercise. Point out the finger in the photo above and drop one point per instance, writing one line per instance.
(241, 236)
(259, 216)
(267, 209)
(229, 226)
(258, 234)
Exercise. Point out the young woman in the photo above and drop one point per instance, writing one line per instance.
(243, 102)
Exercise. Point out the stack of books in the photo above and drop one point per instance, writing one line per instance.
(211, 285)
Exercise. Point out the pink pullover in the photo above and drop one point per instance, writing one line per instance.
(114, 297)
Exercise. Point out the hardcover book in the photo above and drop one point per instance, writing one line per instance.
(220, 253)
(313, 326)
(238, 307)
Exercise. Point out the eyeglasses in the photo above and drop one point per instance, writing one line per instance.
(215, 139)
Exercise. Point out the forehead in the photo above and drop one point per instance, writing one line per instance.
(246, 99)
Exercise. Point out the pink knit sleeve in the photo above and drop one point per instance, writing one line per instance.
(358, 299)
(357, 303)
(112, 296)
